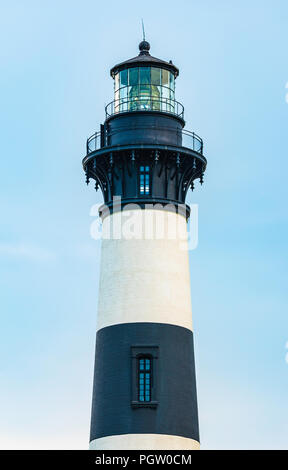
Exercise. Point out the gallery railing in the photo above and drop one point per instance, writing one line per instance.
(145, 103)
(189, 139)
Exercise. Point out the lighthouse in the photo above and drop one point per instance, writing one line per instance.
(144, 162)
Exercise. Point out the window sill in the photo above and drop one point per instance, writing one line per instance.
(147, 404)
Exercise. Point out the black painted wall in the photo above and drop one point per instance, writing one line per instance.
(176, 410)
(144, 128)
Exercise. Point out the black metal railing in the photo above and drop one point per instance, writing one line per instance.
(93, 142)
(188, 139)
(145, 103)
(192, 141)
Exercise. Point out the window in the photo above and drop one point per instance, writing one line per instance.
(144, 89)
(144, 376)
(133, 76)
(145, 75)
(155, 75)
(123, 78)
(144, 180)
(144, 379)
(123, 98)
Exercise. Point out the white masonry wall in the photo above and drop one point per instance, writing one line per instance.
(145, 280)
(144, 442)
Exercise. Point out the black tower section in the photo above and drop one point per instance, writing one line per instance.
(142, 152)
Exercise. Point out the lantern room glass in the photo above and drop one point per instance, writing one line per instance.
(144, 89)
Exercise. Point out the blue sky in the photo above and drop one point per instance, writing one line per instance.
(55, 61)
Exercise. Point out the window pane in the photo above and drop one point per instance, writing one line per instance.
(144, 75)
(147, 187)
(124, 78)
(123, 93)
(155, 76)
(164, 77)
(133, 92)
(165, 99)
(133, 76)
(123, 99)
(145, 90)
(134, 98)
(165, 93)
(172, 81)
(144, 97)
(155, 92)
(156, 96)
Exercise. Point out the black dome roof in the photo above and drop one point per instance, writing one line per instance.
(144, 59)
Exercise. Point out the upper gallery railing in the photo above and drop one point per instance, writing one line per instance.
(145, 103)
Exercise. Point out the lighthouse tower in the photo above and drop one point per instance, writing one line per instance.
(144, 162)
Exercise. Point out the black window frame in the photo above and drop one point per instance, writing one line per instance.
(138, 352)
(144, 173)
(144, 378)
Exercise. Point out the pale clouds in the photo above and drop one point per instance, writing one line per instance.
(27, 251)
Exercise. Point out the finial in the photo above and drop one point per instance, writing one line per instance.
(144, 48)
(144, 45)
(143, 30)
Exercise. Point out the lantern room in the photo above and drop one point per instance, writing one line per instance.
(144, 83)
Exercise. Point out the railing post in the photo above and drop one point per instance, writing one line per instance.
(102, 135)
